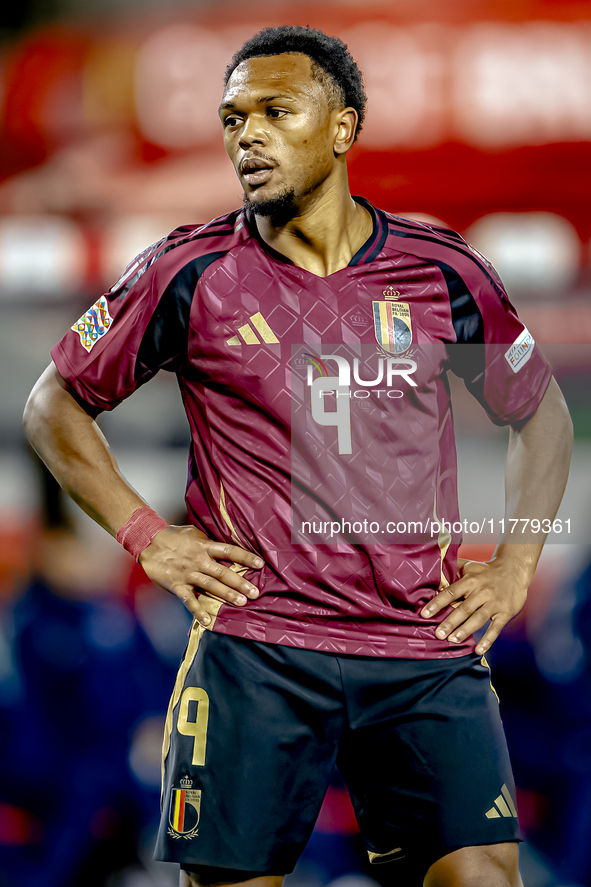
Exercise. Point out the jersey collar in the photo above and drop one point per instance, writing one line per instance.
(365, 254)
(376, 240)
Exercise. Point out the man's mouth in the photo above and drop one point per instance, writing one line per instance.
(256, 170)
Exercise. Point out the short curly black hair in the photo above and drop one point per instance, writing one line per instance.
(332, 63)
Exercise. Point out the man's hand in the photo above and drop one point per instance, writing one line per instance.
(186, 563)
(180, 559)
(536, 471)
(494, 590)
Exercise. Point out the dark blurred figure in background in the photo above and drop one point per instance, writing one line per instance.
(543, 675)
(80, 731)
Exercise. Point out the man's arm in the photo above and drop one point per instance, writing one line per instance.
(180, 559)
(536, 472)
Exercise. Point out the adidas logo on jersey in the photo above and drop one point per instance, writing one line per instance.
(250, 336)
(503, 806)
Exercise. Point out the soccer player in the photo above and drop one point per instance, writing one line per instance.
(311, 334)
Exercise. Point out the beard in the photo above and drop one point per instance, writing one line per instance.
(279, 209)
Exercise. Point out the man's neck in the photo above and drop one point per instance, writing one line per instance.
(325, 236)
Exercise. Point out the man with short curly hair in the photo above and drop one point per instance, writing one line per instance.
(311, 334)
(332, 64)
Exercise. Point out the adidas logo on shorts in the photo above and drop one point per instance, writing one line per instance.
(503, 806)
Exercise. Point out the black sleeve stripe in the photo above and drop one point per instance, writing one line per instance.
(164, 344)
(445, 232)
(380, 241)
(466, 362)
(122, 291)
(466, 252)
(448, 232)
(465, 314)
(375, 243)
(223, 220)
(192, 237)
(208, 234)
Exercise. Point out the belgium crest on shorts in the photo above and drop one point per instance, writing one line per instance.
(392, 326)
(185, 808)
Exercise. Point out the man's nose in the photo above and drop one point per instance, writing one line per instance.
(254, 131)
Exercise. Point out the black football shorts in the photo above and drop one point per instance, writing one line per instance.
(254, 730)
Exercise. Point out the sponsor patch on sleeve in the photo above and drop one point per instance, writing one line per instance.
(93, 325)
(520, 351)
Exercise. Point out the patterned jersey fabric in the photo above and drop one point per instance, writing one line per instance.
(322, 434)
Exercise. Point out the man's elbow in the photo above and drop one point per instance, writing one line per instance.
(30, 416)
(34, 414)
(44, 405)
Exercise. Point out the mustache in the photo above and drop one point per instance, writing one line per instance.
(257, 155)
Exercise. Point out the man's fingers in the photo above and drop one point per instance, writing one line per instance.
(225, 551)
(226, 582)
(442, 600)
(462, 588)
(187, 595)
(482, 594)
(467, 612)
(190, 596)
(490, 636)
(460, 631)
(212, 586)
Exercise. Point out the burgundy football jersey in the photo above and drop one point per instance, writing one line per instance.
(320, 416)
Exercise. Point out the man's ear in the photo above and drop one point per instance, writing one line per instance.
(346, 127)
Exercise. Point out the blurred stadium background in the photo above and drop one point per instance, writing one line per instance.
(479, 116)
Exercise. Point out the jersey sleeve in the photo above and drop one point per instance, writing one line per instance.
(139, 327)
(494, 353)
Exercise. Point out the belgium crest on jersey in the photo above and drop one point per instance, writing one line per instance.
(184, 811)
(392, 326)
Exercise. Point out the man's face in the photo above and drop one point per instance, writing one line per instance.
(278, 132)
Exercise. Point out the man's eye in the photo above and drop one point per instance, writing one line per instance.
(231, 120)
(276, 112)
